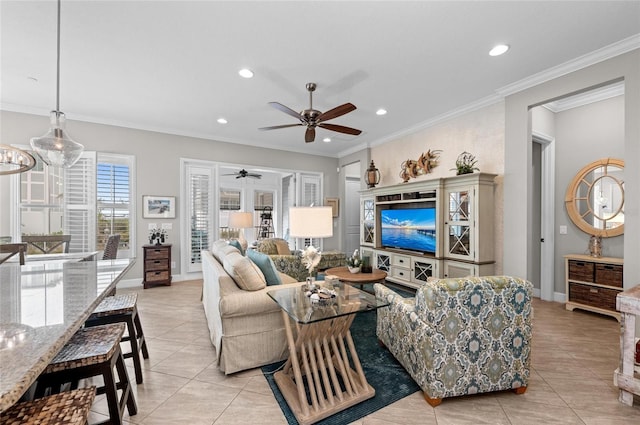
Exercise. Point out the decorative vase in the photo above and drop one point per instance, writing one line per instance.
(354, 269)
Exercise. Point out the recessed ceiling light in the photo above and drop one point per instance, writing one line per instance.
(499, 50)
(222, 121)
(245, 73)
(326, 139)
(381, 111)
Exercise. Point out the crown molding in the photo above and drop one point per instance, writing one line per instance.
(586, 98)
(600, 55)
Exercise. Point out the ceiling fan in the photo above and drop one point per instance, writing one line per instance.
(312, 118)
(244, 173)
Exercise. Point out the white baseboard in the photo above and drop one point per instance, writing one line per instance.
(558, 297)
(137, 283)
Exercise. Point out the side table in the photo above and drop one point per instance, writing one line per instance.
(359, 278)
(628, 304)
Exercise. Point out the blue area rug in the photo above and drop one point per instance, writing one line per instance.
(382, 370)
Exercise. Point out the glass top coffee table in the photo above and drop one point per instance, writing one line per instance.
(320, 379)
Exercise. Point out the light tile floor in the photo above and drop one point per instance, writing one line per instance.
(574, 356)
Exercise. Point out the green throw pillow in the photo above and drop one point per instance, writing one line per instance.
(236, 243)
(265, 264)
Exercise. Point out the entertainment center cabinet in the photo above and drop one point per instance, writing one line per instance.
(462, 227)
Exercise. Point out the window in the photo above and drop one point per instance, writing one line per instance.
(113, 200)
(229, 201)
(199, 209)
(88, 201)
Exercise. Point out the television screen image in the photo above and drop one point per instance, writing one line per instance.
(409, 228)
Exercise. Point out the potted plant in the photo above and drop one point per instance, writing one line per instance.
(466, 164)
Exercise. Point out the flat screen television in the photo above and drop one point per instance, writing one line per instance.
(412, 229)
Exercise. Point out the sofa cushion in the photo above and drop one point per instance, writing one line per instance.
(244, 272)
(282, 246)
(236, 244)
(274, 246)
(264, 262)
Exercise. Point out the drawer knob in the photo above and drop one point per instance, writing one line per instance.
(593, 290)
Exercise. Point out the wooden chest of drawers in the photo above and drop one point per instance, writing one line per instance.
(593, 283)
(157, 265)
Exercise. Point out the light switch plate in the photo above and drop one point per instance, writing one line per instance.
(563, 230)
(152, 226)
(167, 226)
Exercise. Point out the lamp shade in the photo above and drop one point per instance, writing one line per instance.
(240, 220)
(56, 148)
(310, 222)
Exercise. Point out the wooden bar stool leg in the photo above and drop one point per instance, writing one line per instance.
(123, 378)
(111, 392)
(140, 335)
(134, 354)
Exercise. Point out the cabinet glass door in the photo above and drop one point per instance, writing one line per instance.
(368, 221)
(458, 234)
(423, 270)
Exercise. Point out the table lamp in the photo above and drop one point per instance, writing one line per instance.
(310, 222)
(241, 220)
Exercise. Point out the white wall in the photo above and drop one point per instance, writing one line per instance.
(480, 132)
(158, 164)
(517, 217)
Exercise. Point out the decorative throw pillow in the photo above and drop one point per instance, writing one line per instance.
(282, 246)
(220, 248)
(265, 263)
(236, 243)
(242, 270)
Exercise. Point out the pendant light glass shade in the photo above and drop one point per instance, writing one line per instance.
(56, 148)
(14, 160)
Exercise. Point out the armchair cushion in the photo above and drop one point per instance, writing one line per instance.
(273, 246)
(264, 262)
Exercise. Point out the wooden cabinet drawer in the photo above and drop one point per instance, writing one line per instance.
(581, 270)
(401, 260)
(156, 276)
(156, 264)
(401, 273)
(593, 296)
(609, 274)
(157, 253)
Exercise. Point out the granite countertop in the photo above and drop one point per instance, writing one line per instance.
(42, 304)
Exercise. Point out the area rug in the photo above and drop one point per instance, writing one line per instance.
(382, 370)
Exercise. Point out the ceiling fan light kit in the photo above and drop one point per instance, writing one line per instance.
(312, 118)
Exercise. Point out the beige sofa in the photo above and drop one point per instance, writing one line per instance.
(245, 326)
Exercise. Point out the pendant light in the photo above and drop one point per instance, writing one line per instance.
(14, 160)
(56, 148)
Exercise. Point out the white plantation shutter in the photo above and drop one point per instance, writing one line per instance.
(80, 203)
(200, 212)
(309, 193)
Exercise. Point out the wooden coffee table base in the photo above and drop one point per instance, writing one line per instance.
(318, 364)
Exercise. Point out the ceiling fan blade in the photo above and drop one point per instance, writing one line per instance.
(310, 135)
(336, 112)
(275, 127)
(285, 109)
(341, 129)
(255, 176)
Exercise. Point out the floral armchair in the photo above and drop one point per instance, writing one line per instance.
(461, 336)
(291, 263)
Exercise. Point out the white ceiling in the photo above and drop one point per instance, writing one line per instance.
(171, 66)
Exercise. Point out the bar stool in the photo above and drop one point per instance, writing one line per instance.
(93, 352)
(123, 308)
(66, 408)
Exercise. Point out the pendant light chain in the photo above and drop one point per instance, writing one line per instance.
(58, 66)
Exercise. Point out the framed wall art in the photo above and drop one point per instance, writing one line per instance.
(334, 203)
(158, 206)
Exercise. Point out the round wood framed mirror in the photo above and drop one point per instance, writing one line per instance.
(595, 198)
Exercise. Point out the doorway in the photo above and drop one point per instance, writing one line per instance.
(352, 207)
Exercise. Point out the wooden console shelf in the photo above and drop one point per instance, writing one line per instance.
(626, 377)
(157, 265)
(593, 283)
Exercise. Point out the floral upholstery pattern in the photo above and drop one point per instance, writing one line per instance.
(292, 264)
(461, 336)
